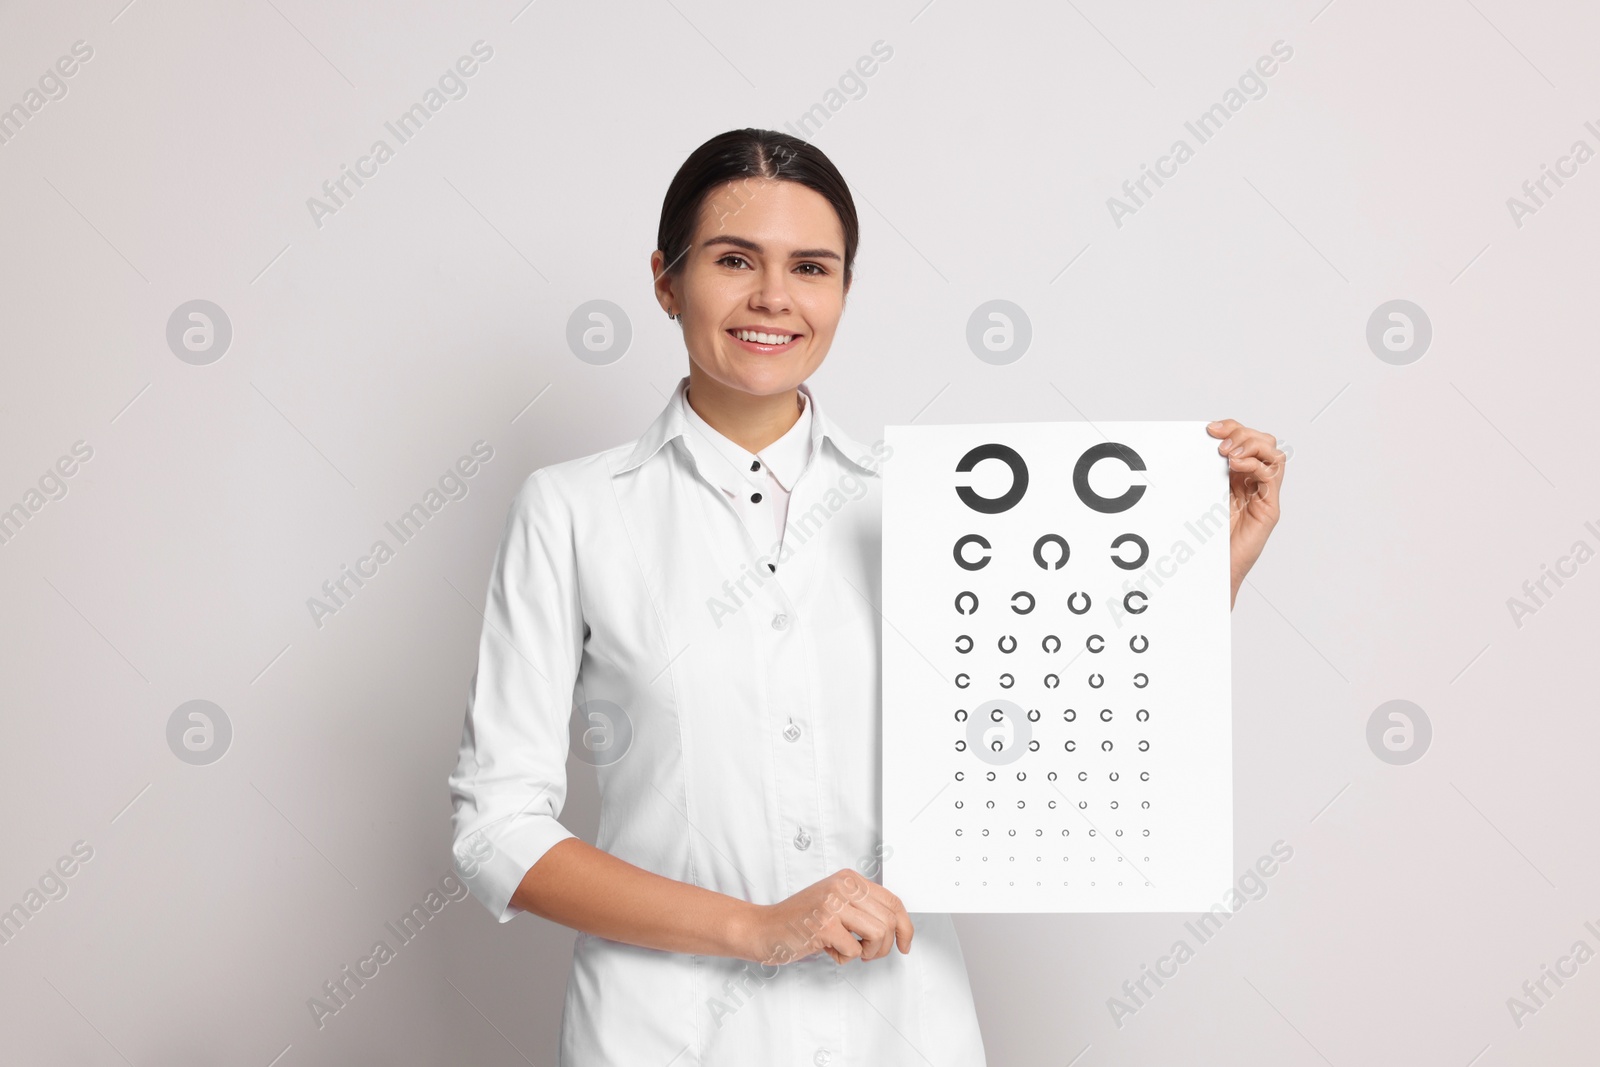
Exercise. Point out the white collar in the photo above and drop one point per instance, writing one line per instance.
(673, 422)
(728, 463)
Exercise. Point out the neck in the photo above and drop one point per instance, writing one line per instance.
(750, 421)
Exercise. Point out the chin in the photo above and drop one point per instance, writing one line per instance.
(764, 376)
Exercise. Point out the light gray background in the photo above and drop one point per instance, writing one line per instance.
(431, 311)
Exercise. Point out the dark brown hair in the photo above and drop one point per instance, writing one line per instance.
(745, 154)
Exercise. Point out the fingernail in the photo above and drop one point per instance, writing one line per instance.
(1213, 425)
(1236, 451)
(1223, 447)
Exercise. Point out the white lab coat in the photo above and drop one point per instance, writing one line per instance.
(732, 713)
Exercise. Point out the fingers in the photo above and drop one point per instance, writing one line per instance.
(1243, 441)
(897, 926)
(872, 923)
(1265, 468)
(839, 943)
(903, 927)
(877, 918)
(1261, 479)
(898, 918)
(1261, 447)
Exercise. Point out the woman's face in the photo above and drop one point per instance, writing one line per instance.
(767, 258)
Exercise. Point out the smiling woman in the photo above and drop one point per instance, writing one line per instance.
(733, 883)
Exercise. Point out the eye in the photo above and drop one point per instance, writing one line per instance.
(733, 256)
(817, 267)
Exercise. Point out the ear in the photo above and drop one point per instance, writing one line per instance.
(662, 283)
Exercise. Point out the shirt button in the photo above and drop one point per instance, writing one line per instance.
(780, 622)
(822, 1057)
(755, 464)
(791, 732)
(755, 498)
(802, 840)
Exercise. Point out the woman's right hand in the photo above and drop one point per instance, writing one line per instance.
(829, 916)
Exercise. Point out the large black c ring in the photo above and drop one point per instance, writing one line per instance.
(966, 594)
(1022, 611)
(1129, 608)
(1072, 603)
(1019, 479)
(1093, 455)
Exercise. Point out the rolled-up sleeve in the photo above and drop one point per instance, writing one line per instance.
(510, 782)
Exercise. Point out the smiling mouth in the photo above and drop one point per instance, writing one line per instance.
(761, 341)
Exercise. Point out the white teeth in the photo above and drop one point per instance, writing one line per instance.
(764, 338)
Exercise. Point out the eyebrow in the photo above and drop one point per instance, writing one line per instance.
(751, 246)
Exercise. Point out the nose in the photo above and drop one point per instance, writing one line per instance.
(772, 290)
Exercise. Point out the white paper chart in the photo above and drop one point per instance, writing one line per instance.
(1057, 728)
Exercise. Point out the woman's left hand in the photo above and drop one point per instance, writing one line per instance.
(1255, 475)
